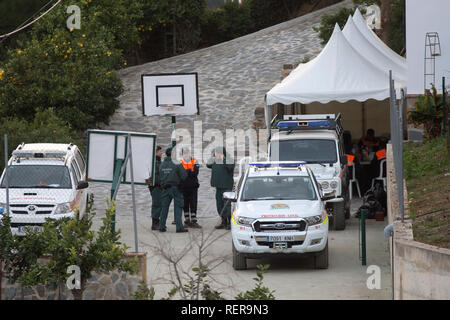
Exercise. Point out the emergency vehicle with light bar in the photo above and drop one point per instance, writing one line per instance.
(318, 140)
(45, 180)
(279, 210)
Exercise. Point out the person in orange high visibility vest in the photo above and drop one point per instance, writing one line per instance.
(350, 159)
(189, 188)
(381, 154)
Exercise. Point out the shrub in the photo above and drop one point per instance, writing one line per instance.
(429, 113)
(44, 128)
(66, 242)
(259, 292)
(71, 70)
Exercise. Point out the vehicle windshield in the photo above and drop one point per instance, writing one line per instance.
(38, 176)
(309, 150)
(278, 188)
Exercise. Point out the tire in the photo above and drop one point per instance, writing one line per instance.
(338, 216)
(239, 261)
(321, 259)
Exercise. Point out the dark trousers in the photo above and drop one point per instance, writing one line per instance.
(190, 204)
(178, 202)
(222, 204)
(156, 202)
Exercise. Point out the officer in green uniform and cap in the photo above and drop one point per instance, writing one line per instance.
(156, 191)
(171, 175)
(222, 180)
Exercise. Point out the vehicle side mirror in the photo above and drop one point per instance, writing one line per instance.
(82, 185)
(328, 196)
(230, 196)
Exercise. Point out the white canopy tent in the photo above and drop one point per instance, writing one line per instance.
(361, 24)
(339, 74)
(372, 53)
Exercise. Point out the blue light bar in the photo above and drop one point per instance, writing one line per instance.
(282, 164)
(303, 124)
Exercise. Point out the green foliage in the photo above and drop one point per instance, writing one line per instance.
(66, 242)
(43, 128)
(429, 113)
(328, 22)
(396, 33)
(260, 292)
(18, 12)
(160, 17)
(144, 292)
(71, 70)
(198, 285)
(426, 159)
(234, 19)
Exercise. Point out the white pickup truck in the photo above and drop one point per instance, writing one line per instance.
(279, 210)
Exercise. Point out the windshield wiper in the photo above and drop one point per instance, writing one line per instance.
(316, 162)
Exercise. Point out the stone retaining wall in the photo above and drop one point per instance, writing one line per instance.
(113, 285)
(421, 271)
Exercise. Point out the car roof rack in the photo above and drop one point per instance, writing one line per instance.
(311, 122)
(37, 154)
(277, 164)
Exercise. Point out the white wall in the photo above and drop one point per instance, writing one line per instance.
(422, 17)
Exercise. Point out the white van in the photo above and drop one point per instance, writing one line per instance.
(45, 180)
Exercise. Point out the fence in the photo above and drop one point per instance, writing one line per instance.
(396, 118)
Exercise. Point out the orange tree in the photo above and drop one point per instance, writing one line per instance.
(71, 70)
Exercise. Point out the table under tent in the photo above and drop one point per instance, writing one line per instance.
(350, 76)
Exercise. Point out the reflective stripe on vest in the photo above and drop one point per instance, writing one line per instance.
(381, 154)
(350, 159)
(188, 165)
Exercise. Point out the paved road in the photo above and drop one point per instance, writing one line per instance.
(233, 79)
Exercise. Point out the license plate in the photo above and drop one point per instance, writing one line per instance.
(280, 238)
(280, 245)
(24, 229)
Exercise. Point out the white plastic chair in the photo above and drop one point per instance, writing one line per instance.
(354, 180)
(382, 175)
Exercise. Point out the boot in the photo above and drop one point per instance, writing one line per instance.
(155, 224)
(222, 225)
(187, 223)
(228, 224)
(195, 225)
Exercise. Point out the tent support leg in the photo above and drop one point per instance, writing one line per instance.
(363, 120)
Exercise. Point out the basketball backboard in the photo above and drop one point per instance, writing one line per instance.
(170, 94)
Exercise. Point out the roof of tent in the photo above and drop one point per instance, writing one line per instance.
(372, 53)
(361, 24)
(338, 73)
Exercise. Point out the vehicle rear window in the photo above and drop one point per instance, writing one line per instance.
(38, 176)
(309, 150)
(278, 188)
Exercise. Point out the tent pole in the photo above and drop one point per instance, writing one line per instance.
(267, 115)
(363, 118)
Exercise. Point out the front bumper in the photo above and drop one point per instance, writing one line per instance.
(337, 199)
(18, 221)
(250, 243)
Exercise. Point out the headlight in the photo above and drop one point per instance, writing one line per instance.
(325, 185)
(314, 220)
(63, 208)
(334, 184)
(245, 221)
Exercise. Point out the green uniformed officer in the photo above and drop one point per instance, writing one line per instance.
(171, 175)
(156, 191)
(222, 180)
